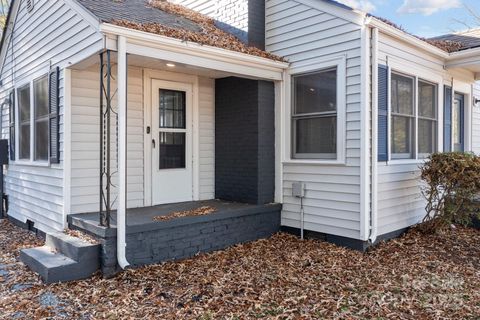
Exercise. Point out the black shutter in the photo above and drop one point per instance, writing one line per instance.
(382, 113)
(12, 124)
(54, 111)
(447, 120)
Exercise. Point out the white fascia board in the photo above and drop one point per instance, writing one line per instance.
(401, 35)
(354, 16)
(466, 58)
(86, 14)
(190, 53)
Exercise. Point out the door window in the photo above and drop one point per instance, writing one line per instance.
(172, 129)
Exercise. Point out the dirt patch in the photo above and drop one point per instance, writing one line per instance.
(202, 211)
(413, 277)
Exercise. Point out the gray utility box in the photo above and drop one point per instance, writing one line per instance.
(298, 189)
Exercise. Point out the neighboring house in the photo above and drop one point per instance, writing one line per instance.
(346, 121)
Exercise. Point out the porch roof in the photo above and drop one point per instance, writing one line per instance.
(171, 20)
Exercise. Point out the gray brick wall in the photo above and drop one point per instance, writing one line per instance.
(244, 140)
(195, 235)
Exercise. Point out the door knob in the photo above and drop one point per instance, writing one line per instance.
(153, 143)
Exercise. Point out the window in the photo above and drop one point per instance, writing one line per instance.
(314, 118)
(172, 135)
(427, 118)
(403, 117)
(412, 126)
(40, 93)
(33, 127)
(458, 123)
(24, 117)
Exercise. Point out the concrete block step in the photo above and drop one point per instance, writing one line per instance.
(74, 248)
(54, 266)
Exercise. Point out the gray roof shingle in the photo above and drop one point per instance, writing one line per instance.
(470, 38)
(137, 11)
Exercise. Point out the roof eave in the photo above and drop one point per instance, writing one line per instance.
(401, 35)
(195, 49)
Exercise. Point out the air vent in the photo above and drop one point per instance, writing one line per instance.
(30, 5)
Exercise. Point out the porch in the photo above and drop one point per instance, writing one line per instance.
(153, 239)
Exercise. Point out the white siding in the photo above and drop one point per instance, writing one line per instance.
(400, 202)
(476, 121)
(85, 139)
(207, 138)
(53, 34)
(303, 34)
(231, 12)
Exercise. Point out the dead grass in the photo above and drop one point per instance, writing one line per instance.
(414, 277)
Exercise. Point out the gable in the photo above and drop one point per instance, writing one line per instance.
(53, 33)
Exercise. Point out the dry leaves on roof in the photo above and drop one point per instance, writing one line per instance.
(445, 45)
(202, 211)
(414, 277)
(209, 35)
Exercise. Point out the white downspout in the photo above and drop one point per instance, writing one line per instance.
(374, 205)
(122, 152)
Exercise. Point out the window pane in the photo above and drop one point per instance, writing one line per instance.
(402, 134)
(427, 136)
(40, 88)
(24, 141)
(172, 150)
(24, 115)
(172, 109)
(316, 136)
(41, 139)
(316, 92)
(457, 125)
(402, 94)
(427, 100)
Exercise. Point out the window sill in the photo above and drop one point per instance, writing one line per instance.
(30, 163)
(315, 162)
(403, 161)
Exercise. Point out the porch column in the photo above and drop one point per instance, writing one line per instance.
(122, 152)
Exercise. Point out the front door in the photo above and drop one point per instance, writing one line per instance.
(172, 174)
(458, 115)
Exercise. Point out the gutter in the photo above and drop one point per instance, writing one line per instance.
(374, 182)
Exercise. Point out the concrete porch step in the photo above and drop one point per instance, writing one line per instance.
(63, 258)
(72, 247)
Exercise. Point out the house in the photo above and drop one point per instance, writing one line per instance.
(313, 119)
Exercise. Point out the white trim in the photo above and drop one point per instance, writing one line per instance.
(67, 146)
(365, 134)
(190, 53)
(86, 14)
(279, 106)
(340, 62)
(351, 15)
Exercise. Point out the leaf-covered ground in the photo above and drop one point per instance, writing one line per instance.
(414, 277)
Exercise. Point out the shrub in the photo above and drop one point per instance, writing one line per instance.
(452, 181)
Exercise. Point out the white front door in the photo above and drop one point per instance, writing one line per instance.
(172, 174)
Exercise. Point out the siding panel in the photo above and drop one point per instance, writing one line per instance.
(306, 36)
(49, 36)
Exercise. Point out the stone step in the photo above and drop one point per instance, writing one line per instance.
(74, 248)
(54, 266)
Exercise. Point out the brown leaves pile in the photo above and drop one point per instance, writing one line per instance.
(202, 211)
(209, 35)
(414, 277)
(81, 235)
(445, 45)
